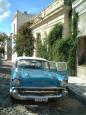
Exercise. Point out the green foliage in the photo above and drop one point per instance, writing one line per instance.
(53, 51)
(63, 50)
(72, 60)
(60, 49)
(3, 37)
(67, 52)
(55, 34)
(41, 48)
(75, 22)
(24, 40)
(72, 1)
(2, 50)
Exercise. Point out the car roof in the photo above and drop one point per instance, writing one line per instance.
(26, 57)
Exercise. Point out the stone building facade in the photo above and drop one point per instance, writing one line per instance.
(80, 7)
(57, 12)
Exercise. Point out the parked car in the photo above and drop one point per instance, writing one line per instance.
(33, 79)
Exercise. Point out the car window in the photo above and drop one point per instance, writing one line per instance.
(33, 64)
(58, 66)
(61, 66)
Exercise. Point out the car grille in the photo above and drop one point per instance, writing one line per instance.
(39, 92)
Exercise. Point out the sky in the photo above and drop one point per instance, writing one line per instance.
(9, 7)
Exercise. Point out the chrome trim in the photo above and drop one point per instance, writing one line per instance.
(39, 91)
(39, 88)
(15, 94)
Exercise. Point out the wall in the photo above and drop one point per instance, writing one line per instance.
(55, 13)
(80, 7)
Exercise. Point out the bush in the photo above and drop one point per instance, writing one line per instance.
(67, 52)
(2, 51)
(59, 49)
(24, 40)
(41, 48)
(55, 34)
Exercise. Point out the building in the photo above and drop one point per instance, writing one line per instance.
(56, 12)
(18, 19)
(80, 7)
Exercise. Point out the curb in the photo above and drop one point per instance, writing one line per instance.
(77, 94)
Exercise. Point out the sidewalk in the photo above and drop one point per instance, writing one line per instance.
(77, 86)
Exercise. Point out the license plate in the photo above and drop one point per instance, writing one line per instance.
(40, 99)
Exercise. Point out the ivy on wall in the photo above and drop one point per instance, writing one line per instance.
(62, 49)
(56, 33)
(41, 48)
(54, 36)
(75, 23)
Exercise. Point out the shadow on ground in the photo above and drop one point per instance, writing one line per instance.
(64, 106)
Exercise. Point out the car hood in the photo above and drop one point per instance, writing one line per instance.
(38, 78)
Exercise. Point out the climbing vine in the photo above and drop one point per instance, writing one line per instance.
(59, 48)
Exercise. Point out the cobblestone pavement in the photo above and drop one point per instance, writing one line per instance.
(66, 106)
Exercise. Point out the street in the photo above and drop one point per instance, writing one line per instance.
(43, 57)
(68, 105)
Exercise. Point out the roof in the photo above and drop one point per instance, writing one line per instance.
(25, 57)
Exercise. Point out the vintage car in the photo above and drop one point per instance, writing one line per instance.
(37, 79)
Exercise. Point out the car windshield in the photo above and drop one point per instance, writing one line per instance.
(32, 64)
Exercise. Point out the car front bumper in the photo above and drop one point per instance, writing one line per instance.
(16, 95)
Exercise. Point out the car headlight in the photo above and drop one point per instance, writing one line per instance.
(16, 82)
(64, 83)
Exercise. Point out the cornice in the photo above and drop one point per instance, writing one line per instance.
(76, 3)
(47, 17)
(79, 6)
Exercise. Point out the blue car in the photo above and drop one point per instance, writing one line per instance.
(35, 79)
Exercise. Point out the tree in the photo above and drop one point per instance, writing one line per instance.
(55, 34)
(24, 40)
(62, 49)
(41, 47)
(52, 41)
(3, 37)
(67, 52)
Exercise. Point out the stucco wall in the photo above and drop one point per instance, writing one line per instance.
(57, 12)
(47, 25)
(80, 7)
